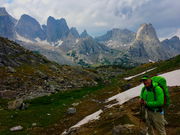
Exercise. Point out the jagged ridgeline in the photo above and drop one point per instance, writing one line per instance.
(27, 74)
(65, 45)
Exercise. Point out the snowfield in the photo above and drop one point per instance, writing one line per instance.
(173, 79)
(130, 77)
(94, 116)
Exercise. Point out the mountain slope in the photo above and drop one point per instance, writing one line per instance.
(56, 29)
(88, 52)
(117, 115)
(7, 24)
(129, 48)
(29, 28)
(117, 38)
(147, 46)
(30, 75)
(123, 119)
(172, 44)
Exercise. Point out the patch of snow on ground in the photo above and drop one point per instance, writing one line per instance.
(125, 96)
(130, 77)
(91, 117)
(94, 116)
(173, 79)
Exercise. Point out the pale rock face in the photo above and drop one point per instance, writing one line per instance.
(146, 32)
(147, 45)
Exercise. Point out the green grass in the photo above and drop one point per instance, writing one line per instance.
(56, 105)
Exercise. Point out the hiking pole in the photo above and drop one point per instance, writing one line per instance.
(140, 116)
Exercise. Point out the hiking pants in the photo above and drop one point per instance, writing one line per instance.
(155, 120)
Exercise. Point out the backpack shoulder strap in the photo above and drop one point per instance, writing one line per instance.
(154, 91)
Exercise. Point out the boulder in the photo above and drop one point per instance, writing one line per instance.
(75, 104)
(71, 110)
(16, 128)
(15, 104)
(123, 129)
(128, 129)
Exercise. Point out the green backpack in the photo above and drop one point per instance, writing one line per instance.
(161, 81)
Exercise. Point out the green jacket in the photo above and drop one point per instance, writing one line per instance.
(149, 97)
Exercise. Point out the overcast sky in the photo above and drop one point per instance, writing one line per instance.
(98, 16)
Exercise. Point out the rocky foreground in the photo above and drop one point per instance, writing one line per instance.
(126, 119)
(26, 74)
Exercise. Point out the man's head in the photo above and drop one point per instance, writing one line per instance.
(146, 81)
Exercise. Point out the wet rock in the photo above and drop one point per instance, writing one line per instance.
(16, 128)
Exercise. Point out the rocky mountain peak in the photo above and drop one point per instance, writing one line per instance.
(7, 23)
(146, 32)
(56, 29)
(3, 11)
(175, 38)
(74, 32)
(84, 34)
(116, 34)
(50, 18)
(30, 28)
(26, 17)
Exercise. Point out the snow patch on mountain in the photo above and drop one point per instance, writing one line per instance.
(21, 38)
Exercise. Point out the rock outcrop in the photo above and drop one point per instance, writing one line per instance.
(7, 23)
(29, 28)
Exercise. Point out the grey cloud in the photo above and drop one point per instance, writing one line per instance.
(100, 15)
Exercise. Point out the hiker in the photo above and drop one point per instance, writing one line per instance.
(153, 98)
